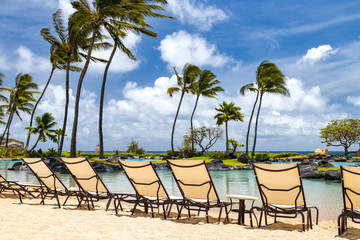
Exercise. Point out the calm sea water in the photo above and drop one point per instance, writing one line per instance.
(326, 195)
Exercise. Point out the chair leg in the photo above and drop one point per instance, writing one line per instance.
(303, 221)
(57, 199)
(220, 211)
(179, 211)
(207, 214)
(67, 197)
(133, 210)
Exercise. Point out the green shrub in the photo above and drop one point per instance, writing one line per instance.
(50, 153)
(134, 148)
(216, 155)
(9, 153)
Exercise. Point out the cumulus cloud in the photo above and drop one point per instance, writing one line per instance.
(196, 13)
(353, 100)
(66, 7)
(121, 63)
(318, 54)
(30, 62)
(182, 47)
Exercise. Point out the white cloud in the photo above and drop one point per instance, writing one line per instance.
(121, 63)
(318, 54)
(182, 47)
(196, 13)
(30, 62)
(353, 100)
(66, 7)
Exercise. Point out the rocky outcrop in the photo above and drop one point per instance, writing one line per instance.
(332, 175)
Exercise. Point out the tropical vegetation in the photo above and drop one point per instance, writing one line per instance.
(269, 79)
(189, 74)
(341, 133)
(228, 112)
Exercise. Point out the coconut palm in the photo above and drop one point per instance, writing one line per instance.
(189, 74)
(44, 127)
(131, 21)
(66, 49)
(58, 133)
(271, 80)
(20, 100)
(3, 99)
(204, 86)
(90, 19)
(228, 112)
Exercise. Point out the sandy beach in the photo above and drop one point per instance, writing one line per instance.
(33, 221)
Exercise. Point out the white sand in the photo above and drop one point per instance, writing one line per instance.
(33, 221)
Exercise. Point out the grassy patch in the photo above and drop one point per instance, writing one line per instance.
(233, 162)
(327, 169)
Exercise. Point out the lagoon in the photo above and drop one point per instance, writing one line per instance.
(326, 195)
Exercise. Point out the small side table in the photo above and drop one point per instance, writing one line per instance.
(241, 210)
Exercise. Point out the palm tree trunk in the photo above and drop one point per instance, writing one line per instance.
(250, 120)
(256, 125)
(8, 126)
(173, 128)
(77, 99)
(35, 144)
(191, 123)
(227, 141)
(36, 104)
(66, 105)
(8, 129)
(101, 107)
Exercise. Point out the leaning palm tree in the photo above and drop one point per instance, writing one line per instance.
(271, 80)
(228, 112)
(204, 86)
(89, 20)
(66, 49)
(189, 74)
(131, 21)
(3, 99)
(44, 127)
(20, 100)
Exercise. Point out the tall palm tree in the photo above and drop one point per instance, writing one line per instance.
(228, 112)
(3, 99)
(21, 98)
(271, 80)
(189, 74)
(65, 47)
(44, 127)
(89, 20)
(131, 21)
(204, 86)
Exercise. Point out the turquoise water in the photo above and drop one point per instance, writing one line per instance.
(326, 195)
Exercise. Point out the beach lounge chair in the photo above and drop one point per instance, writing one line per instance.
(350, 179)
(282, 193)
(91, 186)
(150, 191)
(52, 185)
(197, 188)
(20, 188)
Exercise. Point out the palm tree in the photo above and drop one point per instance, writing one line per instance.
(2, 99)
(228, 112)
(58, 133)
(66, 48)
(271, 80)
(89, 20)
(44, 123)
(204, 86)
(190, 73)
(118, 29)
(21, 98)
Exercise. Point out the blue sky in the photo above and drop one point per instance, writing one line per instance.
(314, 43)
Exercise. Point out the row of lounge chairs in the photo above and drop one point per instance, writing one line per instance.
(280, 186)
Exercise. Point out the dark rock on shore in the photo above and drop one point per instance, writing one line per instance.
(243, 159)
(325, 163)
(332, 175)
(16, 166)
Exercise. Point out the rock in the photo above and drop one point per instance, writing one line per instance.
(325, 164)
(102, 167)
(112, 160)
(161, 166)
(166, 157)
(218, 165)
(332, 175)
(16, 166)
(123, 157)
(232, 155)
(243, 159)
(313, 174)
